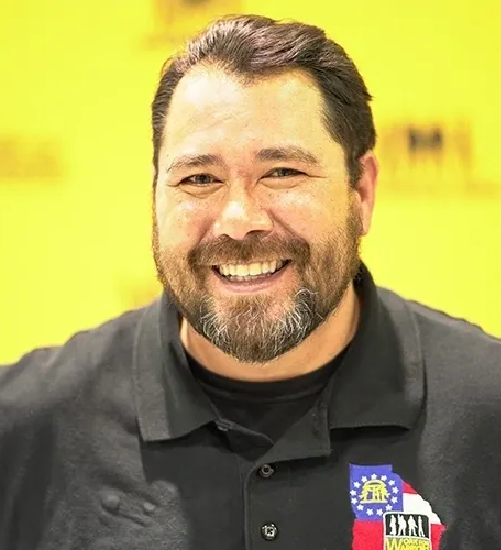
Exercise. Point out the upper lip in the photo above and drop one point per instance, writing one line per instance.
(253, 262)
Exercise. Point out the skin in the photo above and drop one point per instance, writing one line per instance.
(247, 207)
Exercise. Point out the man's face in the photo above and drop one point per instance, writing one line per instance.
(250, 182)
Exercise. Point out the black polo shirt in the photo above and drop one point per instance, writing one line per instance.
(109, 442)
(268, 409)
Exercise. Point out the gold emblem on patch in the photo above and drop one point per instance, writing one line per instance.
(374, 492)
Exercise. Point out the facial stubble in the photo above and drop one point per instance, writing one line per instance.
(244, 328)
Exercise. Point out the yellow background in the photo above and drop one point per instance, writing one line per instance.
(75, 249)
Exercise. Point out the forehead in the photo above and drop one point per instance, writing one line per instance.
(210, 108)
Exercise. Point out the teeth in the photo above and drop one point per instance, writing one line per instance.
(246, 270)
(254, 269)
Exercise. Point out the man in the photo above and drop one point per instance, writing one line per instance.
(273, 397)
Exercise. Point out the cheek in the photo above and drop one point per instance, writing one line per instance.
(305, 214)
(180, 223)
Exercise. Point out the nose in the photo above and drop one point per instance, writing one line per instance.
(240, 215)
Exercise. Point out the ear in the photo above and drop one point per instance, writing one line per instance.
(366, 188)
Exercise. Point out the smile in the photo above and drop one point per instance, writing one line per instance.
(250, 271)
(250, 277)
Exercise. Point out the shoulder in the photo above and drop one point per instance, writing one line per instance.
(44, 379)
(456, 353)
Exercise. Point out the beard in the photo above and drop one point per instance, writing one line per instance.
(243, 326)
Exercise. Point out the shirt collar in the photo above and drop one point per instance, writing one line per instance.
(381, 379)
(169, 401)
(379, 382)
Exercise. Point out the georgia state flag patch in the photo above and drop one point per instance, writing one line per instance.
(389, 513)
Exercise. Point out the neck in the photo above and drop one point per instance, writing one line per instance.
(319, 348)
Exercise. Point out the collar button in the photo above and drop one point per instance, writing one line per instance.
(266, 470)
(269, 531)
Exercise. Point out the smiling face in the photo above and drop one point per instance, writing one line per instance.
(250, 183)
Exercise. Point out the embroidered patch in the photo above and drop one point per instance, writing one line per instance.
(389, 513)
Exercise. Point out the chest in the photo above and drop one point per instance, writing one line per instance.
(199, 493)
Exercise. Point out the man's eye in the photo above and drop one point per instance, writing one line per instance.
(283, 173)
(198, 179)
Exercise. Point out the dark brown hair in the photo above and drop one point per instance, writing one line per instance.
(252, 46)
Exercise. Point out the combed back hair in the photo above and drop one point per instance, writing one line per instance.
(250, 47)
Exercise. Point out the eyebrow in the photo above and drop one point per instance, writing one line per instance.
(283, 153)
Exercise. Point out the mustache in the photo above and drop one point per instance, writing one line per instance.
(225, 250)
